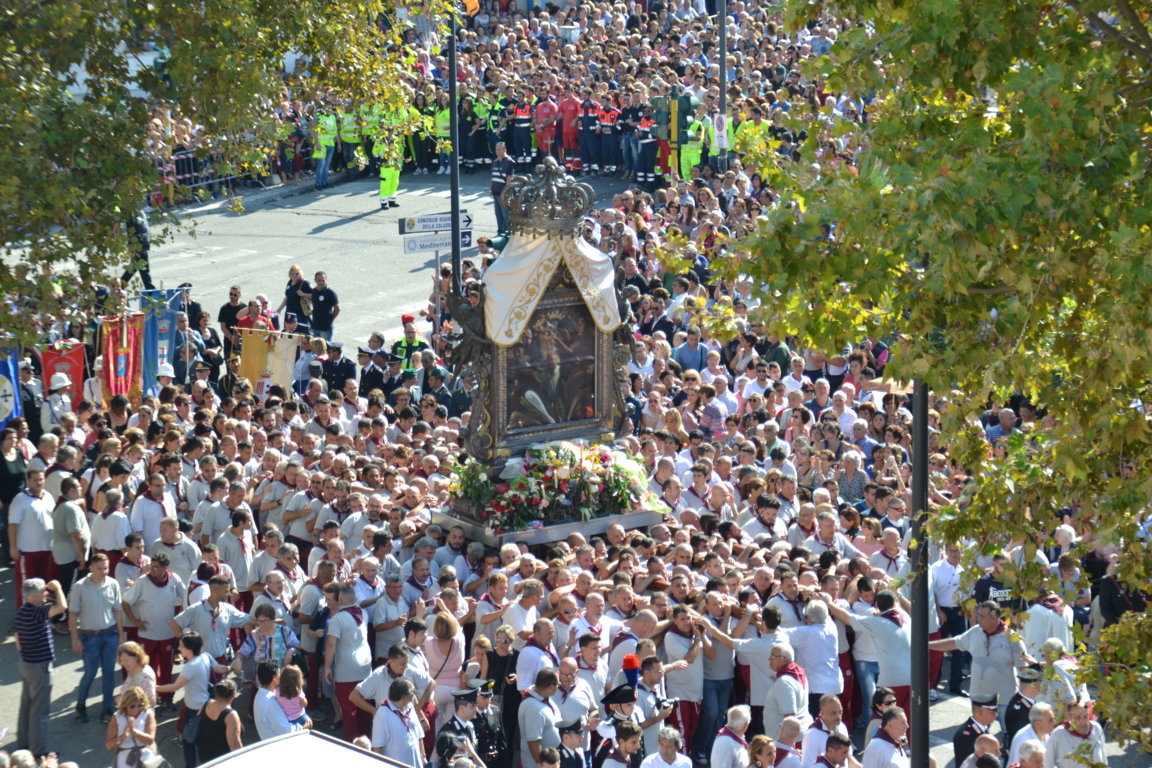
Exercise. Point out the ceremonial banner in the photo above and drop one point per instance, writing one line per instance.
(10, 405)
(123, 357)
(65, 357)
(160, 308)
(267, 358)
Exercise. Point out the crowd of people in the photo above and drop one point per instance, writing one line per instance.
(272, 563)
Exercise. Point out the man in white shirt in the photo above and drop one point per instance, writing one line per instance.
(668, 755)
(730, 750)
(1063, 747)
(574, 698)
(536, 655)
(886, 749)
(830, 721)
(522, 614)
(396, 730)
(270, 718)
(688, 640)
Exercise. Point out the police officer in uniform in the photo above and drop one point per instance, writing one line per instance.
(458, 734)
(502, 170)
(1020, 705)
(589, 117)
(985, 708)
(371, 374)
(491, 742)
(571, 741)
(231, 376)
(620, 704)
(338, 369)
(392, 373)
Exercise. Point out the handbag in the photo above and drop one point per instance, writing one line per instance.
(191, 733)
(306, 306)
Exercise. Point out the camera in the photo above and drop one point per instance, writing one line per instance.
(666, 703)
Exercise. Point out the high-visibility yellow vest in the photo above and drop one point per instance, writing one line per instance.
(349, 130)
(443, 122)
(326, 130)
(693, 143)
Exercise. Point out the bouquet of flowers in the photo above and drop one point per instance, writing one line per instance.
(554, 483)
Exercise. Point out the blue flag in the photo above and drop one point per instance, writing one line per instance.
(10, 405)
(160, 307)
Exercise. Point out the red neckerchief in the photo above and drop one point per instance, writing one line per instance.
(580, 597)
(170, 546)
(621, 637)
(161, 583)
(891, 560)
(565, 693)
(676, 631)
(808, 532)
(243, 544)
(355, 612)
(820, 726)
(291, 576)
(403, 717)
(418, 585)
(215, 614)
(487, 598)
(618, 756)
(1067, 724)
(999, 628)
(33, 495)
(147, 494)
(894, 616)
(275, 599)
(596, 630)
(726, 731)
(781, 752)
(792, 669)
(796, 609)
(108, 512)
(374, 583)
(822, 760)
(1054, 604)
(692, 490)
(54, 468)
(581, 664)
(532, 692)
(546, 651)
(883, 736)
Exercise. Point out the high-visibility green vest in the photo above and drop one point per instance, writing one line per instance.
(370, 120)
(326, 130)
(694, 144)
(443, 122)
(349, 130)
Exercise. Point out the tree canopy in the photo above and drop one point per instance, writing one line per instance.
(78, 101)
(998, 220)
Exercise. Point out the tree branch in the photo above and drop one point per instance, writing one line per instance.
(995, 290)
(1107, 30)
(1133, 87)
(1133, 18)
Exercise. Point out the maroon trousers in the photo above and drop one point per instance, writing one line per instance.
(33, 565)
(160, 659)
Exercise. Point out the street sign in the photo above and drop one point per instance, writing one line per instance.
(440, 241)
(433, 222)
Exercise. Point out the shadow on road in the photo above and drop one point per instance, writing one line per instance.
(319, 228)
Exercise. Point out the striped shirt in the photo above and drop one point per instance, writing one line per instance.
(36, 645)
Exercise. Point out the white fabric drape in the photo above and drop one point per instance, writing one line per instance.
(517, 280)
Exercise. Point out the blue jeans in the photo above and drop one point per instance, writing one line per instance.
(99, 656)
(326, 335)
(955, 624)
(867, 673)
(323, 164)
(631, 146)
(713, 710)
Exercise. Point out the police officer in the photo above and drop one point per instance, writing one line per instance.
(1020, 705)
(349, 135)
(502, 170)
(491, 741)
(371, 374)
(620, 704)
(392, 372)
(572, 744)
(984, 711)
(337, 369)
(325, 141)
(458, 736)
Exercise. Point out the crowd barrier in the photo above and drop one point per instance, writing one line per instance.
(185, 177)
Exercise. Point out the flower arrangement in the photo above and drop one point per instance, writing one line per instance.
(553, 483)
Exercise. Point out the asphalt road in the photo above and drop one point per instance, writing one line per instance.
(341, 230)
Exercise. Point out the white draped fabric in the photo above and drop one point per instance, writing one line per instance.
(517, 280)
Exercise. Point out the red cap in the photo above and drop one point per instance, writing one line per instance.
(631, 661)
(407, 319)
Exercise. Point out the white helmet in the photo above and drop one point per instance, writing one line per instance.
(59, 381)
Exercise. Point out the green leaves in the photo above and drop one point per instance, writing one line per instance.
(1000, 222)
(88, 91)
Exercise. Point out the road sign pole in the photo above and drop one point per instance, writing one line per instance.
(454, 136)
(436, 294)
